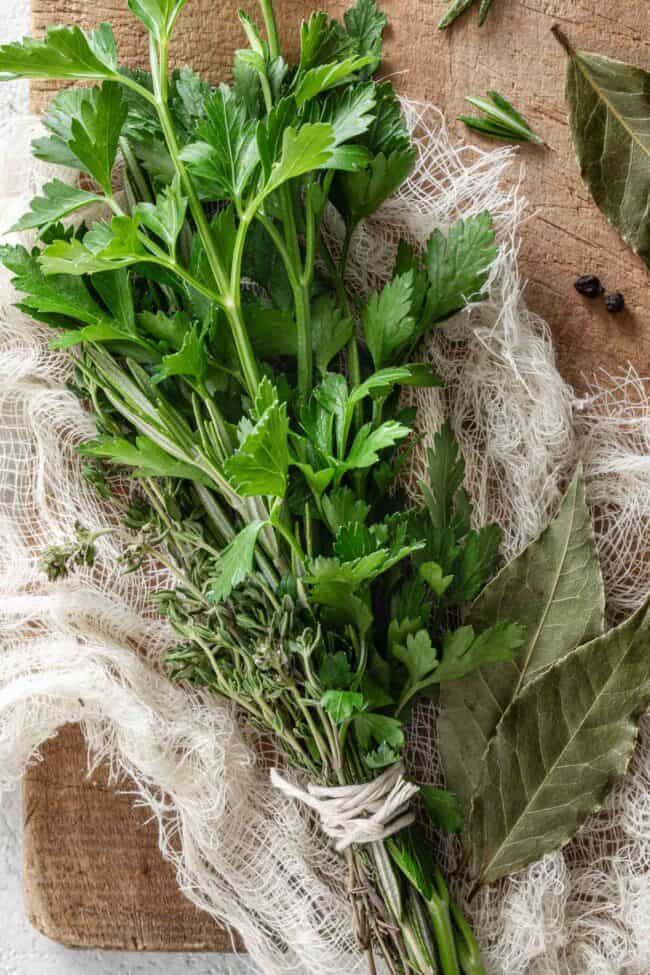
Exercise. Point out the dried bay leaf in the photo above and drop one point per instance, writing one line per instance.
(609, 114)
(559, 749)
(554, 590)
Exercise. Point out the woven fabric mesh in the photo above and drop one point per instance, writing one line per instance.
(88, 649)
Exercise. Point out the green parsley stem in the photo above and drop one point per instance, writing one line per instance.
(270, 23)
(301, 294)
(231, 302)
(290, 539)
(438, 911)
(469, 952)
(354, 363)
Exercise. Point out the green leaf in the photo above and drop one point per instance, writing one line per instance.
(335, 671)
(266, 396)
(323, 570)
(367, 444)
(71, 258)
(359, 194)
(381, 383)
(387, 321)
(355, 540)
(102, 332)
(145, 456)
(464, 652)
(263, 265)
(105, 247)
(558, 570)
(466, 555)
(378, 728)
(405, 850)
(342, 507)
(235, 563)
(260, 464)
(166, 217)
(304, 149)
(376, 695)
(331, 330)
(381, 757)
(55, 148)
(188, 95)
(443, 808)
(558, 750)
(226, 157)
(252, 34)
(316, 37)
(318, 480)
(96, 130)
(59, 200)
(389, 132)
(400, 629)
(609, 108)
(342, 605)
(169, 329)
(475, 563)
(326, 76)
(446, 475)
(342, 705)
(115, 290)
(270, 131)
(350, 112)
(157, 15)
(327, 409)
(272, 332)
(365, 25)
(64, 52)
(432, 574)
(55, 295)
(190, 360)
(458, 266)
(419, 656)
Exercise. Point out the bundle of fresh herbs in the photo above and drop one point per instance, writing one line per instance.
(257, 402)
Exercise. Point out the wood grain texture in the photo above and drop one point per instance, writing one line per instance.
(93, 874)
(564, 236)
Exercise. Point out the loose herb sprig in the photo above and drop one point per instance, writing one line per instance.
(257, 402)
(459, 7)
(499, 120)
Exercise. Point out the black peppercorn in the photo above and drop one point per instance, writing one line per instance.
(615, 303)
(589, 285)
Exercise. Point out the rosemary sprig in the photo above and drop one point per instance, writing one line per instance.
(459, 7)
(500, 120)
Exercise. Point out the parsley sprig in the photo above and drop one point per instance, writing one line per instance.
(256, 401)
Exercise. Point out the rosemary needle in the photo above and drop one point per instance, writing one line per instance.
(500, 120)
(459, 8)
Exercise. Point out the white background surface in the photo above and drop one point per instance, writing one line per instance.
(23, 951)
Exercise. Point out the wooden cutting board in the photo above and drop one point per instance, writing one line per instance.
(93, 876)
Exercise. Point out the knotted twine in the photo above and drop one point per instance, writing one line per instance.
(366, 812)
